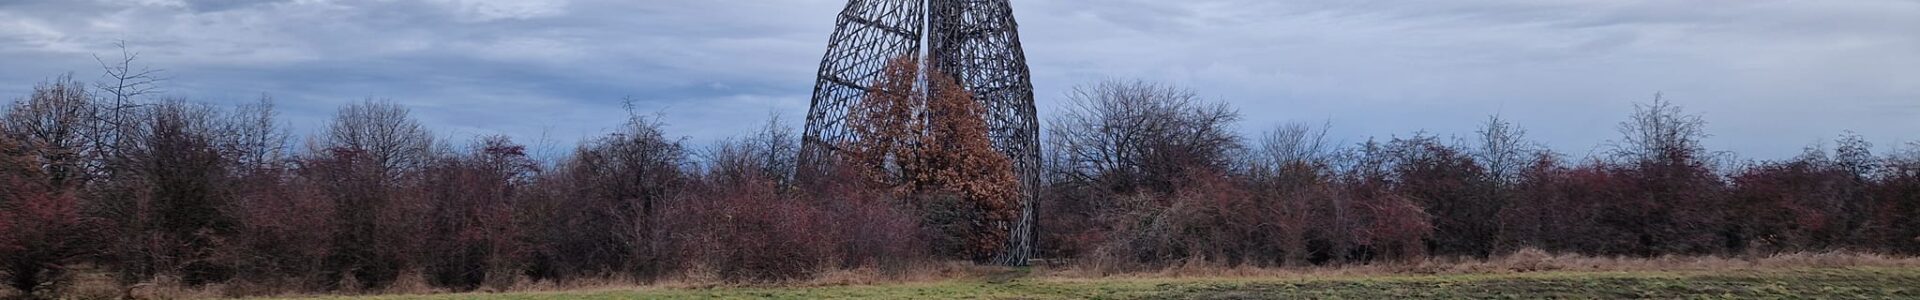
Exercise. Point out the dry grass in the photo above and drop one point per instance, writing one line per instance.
(98, 285)
(1523, 261)
(413, 283)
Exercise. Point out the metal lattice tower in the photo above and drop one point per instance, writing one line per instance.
(975, 41)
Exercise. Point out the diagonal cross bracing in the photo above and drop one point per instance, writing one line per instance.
(975, 41)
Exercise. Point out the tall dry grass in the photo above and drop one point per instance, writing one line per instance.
(1522, 261)
(95, 285)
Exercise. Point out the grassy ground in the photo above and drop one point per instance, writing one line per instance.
(1824, 283)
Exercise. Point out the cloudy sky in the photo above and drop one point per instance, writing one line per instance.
(1771, 77)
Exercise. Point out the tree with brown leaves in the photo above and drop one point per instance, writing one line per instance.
(955, 157)
(931, 145)
(887, 122)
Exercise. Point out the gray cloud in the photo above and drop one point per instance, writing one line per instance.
(1772, 76)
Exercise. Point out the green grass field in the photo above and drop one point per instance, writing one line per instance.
(1845, 283)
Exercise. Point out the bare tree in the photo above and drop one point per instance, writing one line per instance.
(1129, 135)
(256, 140)
(383, 132)
(768, 154)
(776, 147)
(1296, 143)
(1854, 154)
(1659, 128)
(1503, 149)
(122, 83)
(56, 123)
(1903, 162)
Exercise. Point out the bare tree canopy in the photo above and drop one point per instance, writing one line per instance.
(1503, 148)
(1659, 128)
(383, 132)
(1141, 134)
(58, 123)
(123, 82)
(1296, 143)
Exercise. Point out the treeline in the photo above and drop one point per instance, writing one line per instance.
(1146, 176)
(1140, 176)
(203, 194)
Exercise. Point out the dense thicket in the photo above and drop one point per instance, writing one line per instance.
(1140, 176)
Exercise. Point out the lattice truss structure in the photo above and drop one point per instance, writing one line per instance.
(976, 41)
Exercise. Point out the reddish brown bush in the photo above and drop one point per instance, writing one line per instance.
(1288, 195)
(1601, 209)
(1070, 225)
(1545, 210)
(736, 221)
(1791, 206)
(41, 224)
(746, 232)
(1383, 223)
(1393, 228)
(470, 235)
(286, 232)
(45, 232)
(1658, 196)
(1896, 204)
(872, 229)
(1459, 194)
(1214, 221)
(603, 206)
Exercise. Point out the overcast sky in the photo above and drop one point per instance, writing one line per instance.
(1770, 77)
